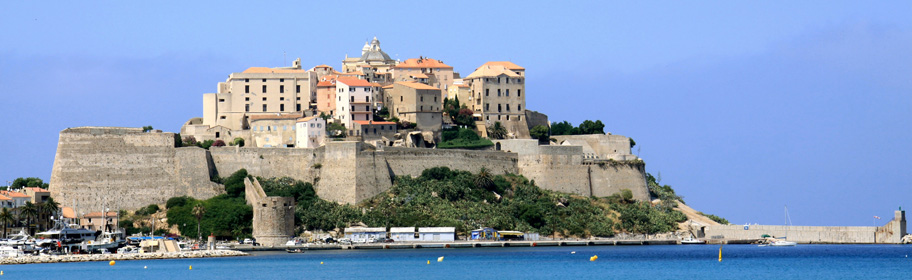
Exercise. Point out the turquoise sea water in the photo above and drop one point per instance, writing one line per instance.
(614, 262)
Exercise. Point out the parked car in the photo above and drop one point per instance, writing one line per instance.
(346, 241)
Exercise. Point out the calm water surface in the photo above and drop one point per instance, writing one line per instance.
(614, 262)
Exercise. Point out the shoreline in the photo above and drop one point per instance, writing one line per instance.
(26, 259)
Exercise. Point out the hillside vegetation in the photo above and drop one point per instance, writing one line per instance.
(444, 197)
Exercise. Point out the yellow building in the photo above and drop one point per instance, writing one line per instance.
(497, 94)
(416, 103)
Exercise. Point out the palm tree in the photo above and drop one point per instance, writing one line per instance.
(50, 207)
(28, 211)
(6, 218)
(483, 179)
(497, 131)
(198, 212)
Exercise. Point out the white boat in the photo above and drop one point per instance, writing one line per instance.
(64, 235)
(21, 238)
(691, 240)
(7, 251)
(784, 241)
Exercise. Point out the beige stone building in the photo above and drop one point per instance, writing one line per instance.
(416, 103)
(372, 58)
(497, 94)
(326, 96)
(37, 195)
(276, 130)
(310, 132)
(354, 99)
(258, 91)
(425, 70)
(374, 130)
(98, 221)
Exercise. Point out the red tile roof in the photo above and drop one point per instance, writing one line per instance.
(416, 85)
(505, 64)
(272, 70)
(13, 194)
(372, 122)
(36, 189)
(354, 82)
(422, 63)
(3, 197)
(326, 84)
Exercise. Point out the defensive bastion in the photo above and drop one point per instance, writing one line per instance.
(132, 168)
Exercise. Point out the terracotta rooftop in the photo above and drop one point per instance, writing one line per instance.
(354, 82)
(376, 85)
(372, 122)
(465, 86)
(3, 197)
(420, 76)
(422, 63)
(322, 66)
(68, 212)
(326, 84)
(272, 70)
(307, 118)
(275, 117)
(35, 189)
(416, 85)
(492, 71)
(505, 64)
(13, 194)
(98, 215)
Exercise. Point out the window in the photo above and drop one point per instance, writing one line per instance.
(264, 88)
(275, 127)
(421, 108)
(508, 107)
(281, 80)
(498, 79)
(267, 139)
(507, 92)
(367, 99)
(435, 99)
(318, 125)
(299, 107)
(264, 98)
(298, 89)
(281, 88)
(246, 98)
(353, 107)
(487, 91)
(367, 108)
(422, 99)
(246, 80)
(264, 80)
(352, 99)
(222, 117)
(498, 107)
(264, 107)
(400, 98)
(281, 98)
(487, 106)
(221, 100)
(284, 128)
(498, 117)
(282, 107)
(247, 89)
(519, 107)
(311, 125)
(518, 92)
(375, 130)
(246, 107)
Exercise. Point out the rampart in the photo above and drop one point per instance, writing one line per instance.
(126, 168)
(145, 168)
(892, 232)
(273, 216)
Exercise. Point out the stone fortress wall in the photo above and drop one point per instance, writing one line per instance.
(144, 168)
(125, 168)
(273, 216)
(892, 232)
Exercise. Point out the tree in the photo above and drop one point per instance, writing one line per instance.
(147, 128)
(562, 128)
(234, 185)
(206, 144)
(497, 131)
(189, 141)
(237, 142)
(198, 212)
(483, 179)
(218, 143)
(334, 129)
(590, 127)
(30, 182)
(6, 218)
(540, 132)
(28, 211)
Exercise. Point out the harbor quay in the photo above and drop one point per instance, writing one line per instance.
(27, 259)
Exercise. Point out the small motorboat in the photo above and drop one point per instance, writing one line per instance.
(691, 240)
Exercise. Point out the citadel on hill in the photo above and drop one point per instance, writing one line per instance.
(282, 116)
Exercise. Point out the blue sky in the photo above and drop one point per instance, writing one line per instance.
(742, 107)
